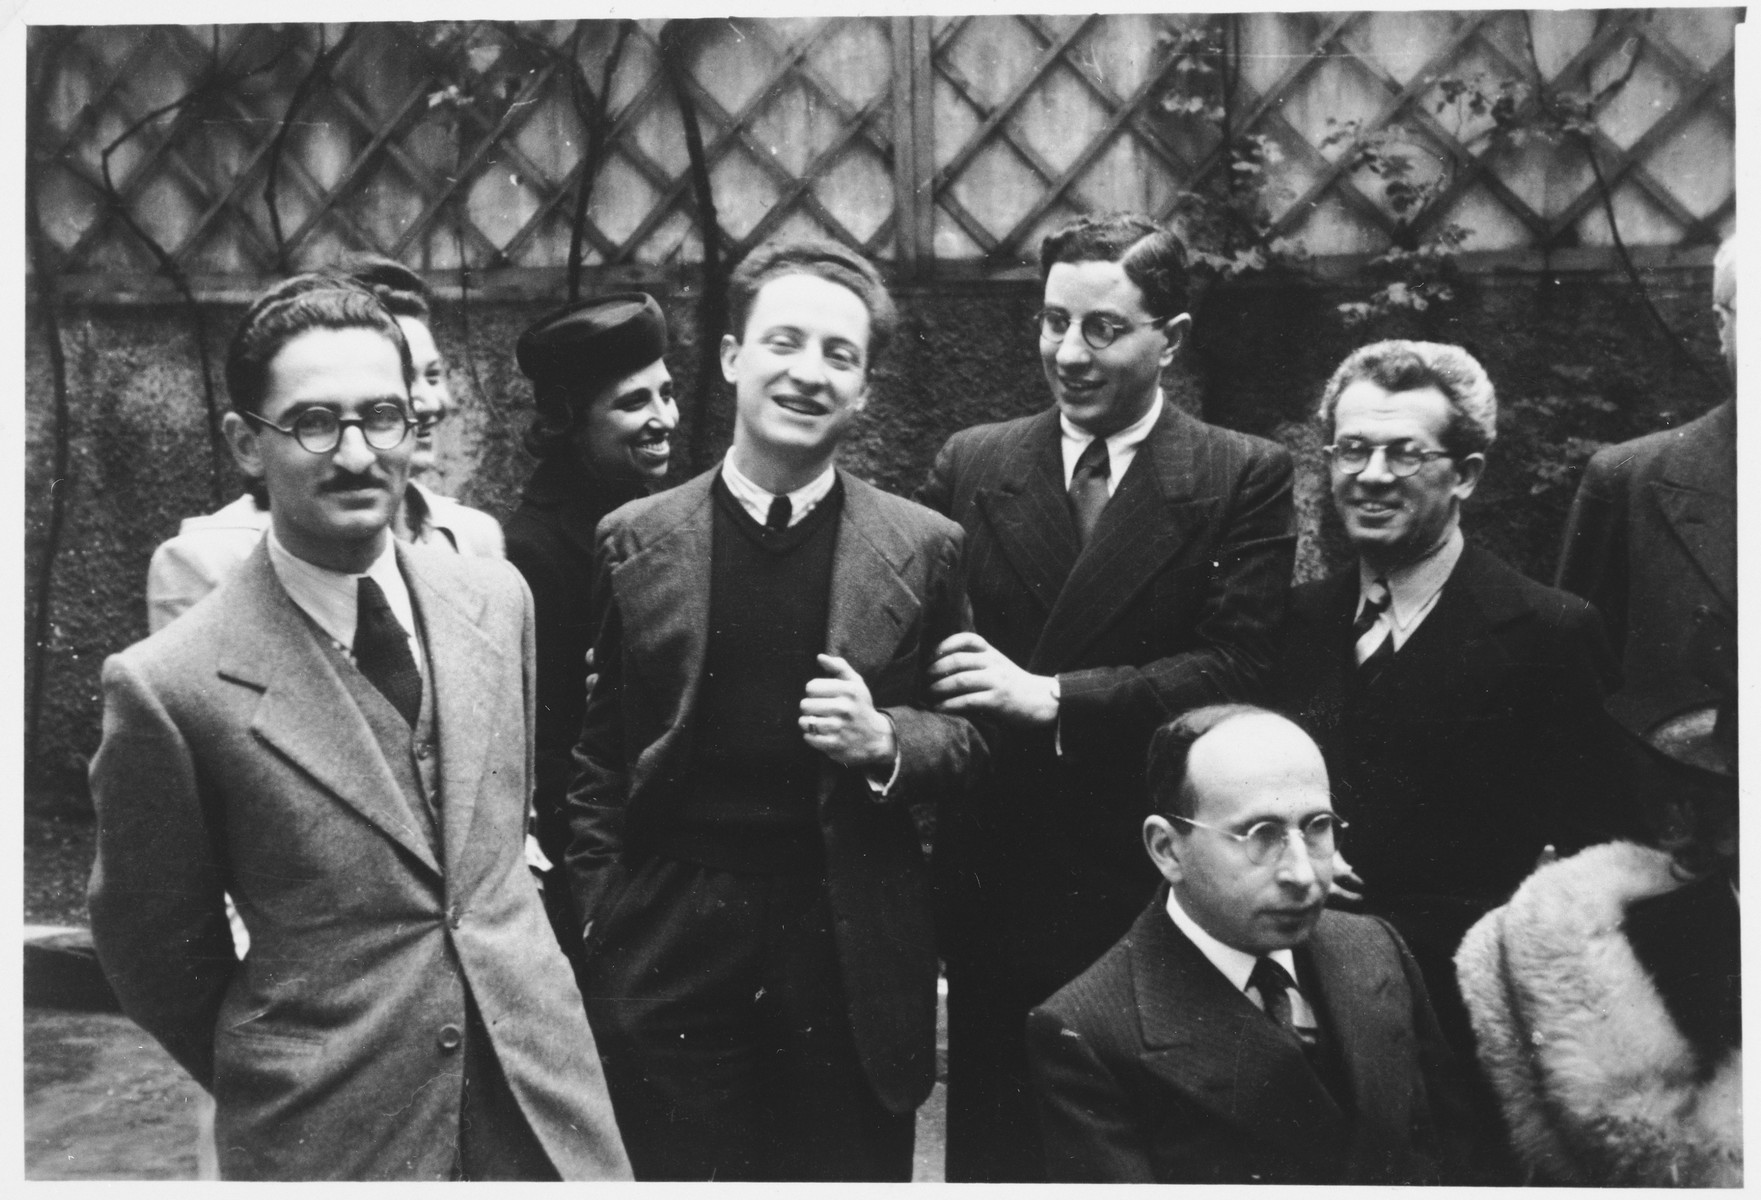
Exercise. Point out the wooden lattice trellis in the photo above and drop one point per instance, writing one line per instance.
(933, 143)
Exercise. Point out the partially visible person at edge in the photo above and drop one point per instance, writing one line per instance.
(209, 547)
(602, 437)
(1652, 540)
(1607, 996)
(1126, 562)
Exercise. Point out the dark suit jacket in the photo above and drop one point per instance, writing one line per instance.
(1174, 603)
(235, 760)
(1151, 1067)
(895, 594)
(1652, 537)
(550, 539)
(1483, 740)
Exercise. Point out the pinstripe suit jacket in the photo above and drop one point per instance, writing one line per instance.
(1151, 1067)
(1173, 603)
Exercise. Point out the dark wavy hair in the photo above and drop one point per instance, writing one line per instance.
(319, 300)
(398, 288)
(827, 260)
(1154, 258)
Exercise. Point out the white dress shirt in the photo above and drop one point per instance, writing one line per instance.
(329, 597)
(1237, 965)
(1413, 591)
(756, 501)
(1121, 447)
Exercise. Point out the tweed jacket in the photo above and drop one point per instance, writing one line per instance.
(895, 594)
(1174, 602)
(234, 760)
(1601, 1079)
(1651, 539)
(1151, 1067)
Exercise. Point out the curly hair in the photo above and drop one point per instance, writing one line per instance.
(1404, 366)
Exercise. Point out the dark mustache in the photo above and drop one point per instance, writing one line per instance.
(349, 481)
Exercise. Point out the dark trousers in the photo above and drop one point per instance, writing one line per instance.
(495, 1142)
(717, 1004)
(993, 1116)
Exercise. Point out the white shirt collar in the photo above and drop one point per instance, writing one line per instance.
(1236, 965)
(1122, 446)
(1414, 588)
(756, 501)
(329, 597)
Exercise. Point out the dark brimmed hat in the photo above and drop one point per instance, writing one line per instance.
(588, 343)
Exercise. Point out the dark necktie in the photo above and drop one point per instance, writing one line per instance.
(382, 651)
(778, 520)
(1274, 985)
(1377, 597)
(1088, 488)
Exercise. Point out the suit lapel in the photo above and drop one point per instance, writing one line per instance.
(467, 674)
(305, 713)
(1358, 1000)
(1150, 518)
(871, 606)
(1206, 1038)
(667, 583)
(1029, 511)
(1697, 496)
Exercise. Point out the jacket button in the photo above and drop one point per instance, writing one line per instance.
(450, 1038)
(455, 916)
(424, 749)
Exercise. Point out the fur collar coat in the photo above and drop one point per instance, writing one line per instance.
(1600, 1079)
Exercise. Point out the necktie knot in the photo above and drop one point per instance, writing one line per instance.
(382, 651)
(777, 519)
(1274, 985)
(1088, 487)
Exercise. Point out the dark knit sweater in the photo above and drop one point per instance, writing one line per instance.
(750, 804)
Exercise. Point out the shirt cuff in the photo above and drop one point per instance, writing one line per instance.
(1058, 721)
(881, 787)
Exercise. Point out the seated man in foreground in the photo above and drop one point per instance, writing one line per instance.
(1241, 1033)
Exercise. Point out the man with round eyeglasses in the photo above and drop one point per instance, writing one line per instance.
(339, 738)
(1124, 561)
(1459, 703)
(210, 546)
(1241, 1032)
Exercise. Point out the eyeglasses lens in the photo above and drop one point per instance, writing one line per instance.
(320, 431)
(1266, 840)
(1097, 331)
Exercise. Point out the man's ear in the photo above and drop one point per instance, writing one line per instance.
(730, 354)
(1176, 329)
(245, 443)
(1164, 846)
(1467, 475)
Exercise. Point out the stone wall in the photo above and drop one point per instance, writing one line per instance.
(1578, 361)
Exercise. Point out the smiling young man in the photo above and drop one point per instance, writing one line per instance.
(1125, 561)
(1240, 1032)
(602, 437)
(338, 738)
(759, 963)
(1459, 703)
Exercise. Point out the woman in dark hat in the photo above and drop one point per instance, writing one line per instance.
(602, 437)
(1606, 997)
